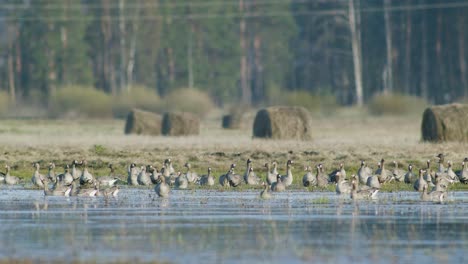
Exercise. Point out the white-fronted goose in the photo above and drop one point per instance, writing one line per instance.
(434, 196)
(270, 177)
(168, 165)
(441, 167)
(429, 174)
(322, 178)
(398, 174)
(181, 181)
(223, 179)
(252, 178)
(287, 179)
(51, 176)
(57, 191)
(464, 172)
(309, 179)
(409, 175)
(233, 178)
(207, 179)
(384, 174)
(162, 189)
(451, 174)
(373, 181)
(362, 194)
(342, 185)
(247, 169)
(278, 186)
(192, 177)
(143, 177)
(274, 168)
(265, 193)
(76, 173)
(331, 176)
(37, 178)
(10, 180)
(86, 177)
(420, 182)
(110, 180)
(364, 173)
(133, 171)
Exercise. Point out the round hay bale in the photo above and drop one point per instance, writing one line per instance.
(180, 124)
(281, 122)
(143, 123)
(445, 123)
(232, 121)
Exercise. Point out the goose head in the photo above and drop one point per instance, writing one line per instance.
(36, 165)
(278, 177)
(249, 161)
(410, 167)
(341, 166)
(51, 166)
(337, 177)
(363, 163)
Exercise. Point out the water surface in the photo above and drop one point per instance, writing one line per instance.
(211, 226)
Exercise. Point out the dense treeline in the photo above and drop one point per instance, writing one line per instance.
(251, 51)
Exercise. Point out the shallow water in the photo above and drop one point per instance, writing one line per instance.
(229, 227)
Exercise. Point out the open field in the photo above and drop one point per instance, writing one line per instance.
(344, 138)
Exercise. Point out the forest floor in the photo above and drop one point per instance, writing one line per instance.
(345, 137)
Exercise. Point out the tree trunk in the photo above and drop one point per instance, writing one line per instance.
(408, 54)
(132, 50)
(11, 71)
(244, 83)
(440, 64)
(424, 66)
(190, 55)
(123, 48)
(388, 85)
(461, 53)
(356, 46)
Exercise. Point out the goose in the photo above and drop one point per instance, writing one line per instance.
(274, 168)
(420, 182)
(278, 186)
(82, 192)
(66, 177)
(247, 169)
(162, 189)
(10, 180)
(76, 173)
(51, 174)
(429, 174)
(373, 181)
(364, 173)
(309, 179)
(207, 179)
(384, 174)
(56, 191)
(37, 178)
(265, 193)
(2, 177)
(322, 179)
(441, 183)
(143, 177)
(181, 181)
(223, 179)
(409, 176)
(191, 176)
(398, 174)
(434, 196)
(441, 157)
(168, 165)
(331, 176)
(110, 180)
(362, 194)
(252, 178)
(86, 177)
(358, 185)
(270, 177)
(342, 185)
(154, 175)
(111, 191)
(234, 179)
(288, 178)
(133, 172)
(464, 172)
(451, 174)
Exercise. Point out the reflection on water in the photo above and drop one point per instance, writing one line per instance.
(212, 226)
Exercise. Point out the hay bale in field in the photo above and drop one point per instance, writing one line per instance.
(445, 123)
(180, 124)
(232, 121)
(143, 123)
(281, 122)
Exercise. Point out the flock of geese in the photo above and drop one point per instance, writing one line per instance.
(432, 184)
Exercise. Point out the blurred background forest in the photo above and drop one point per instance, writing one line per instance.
(99, 58)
